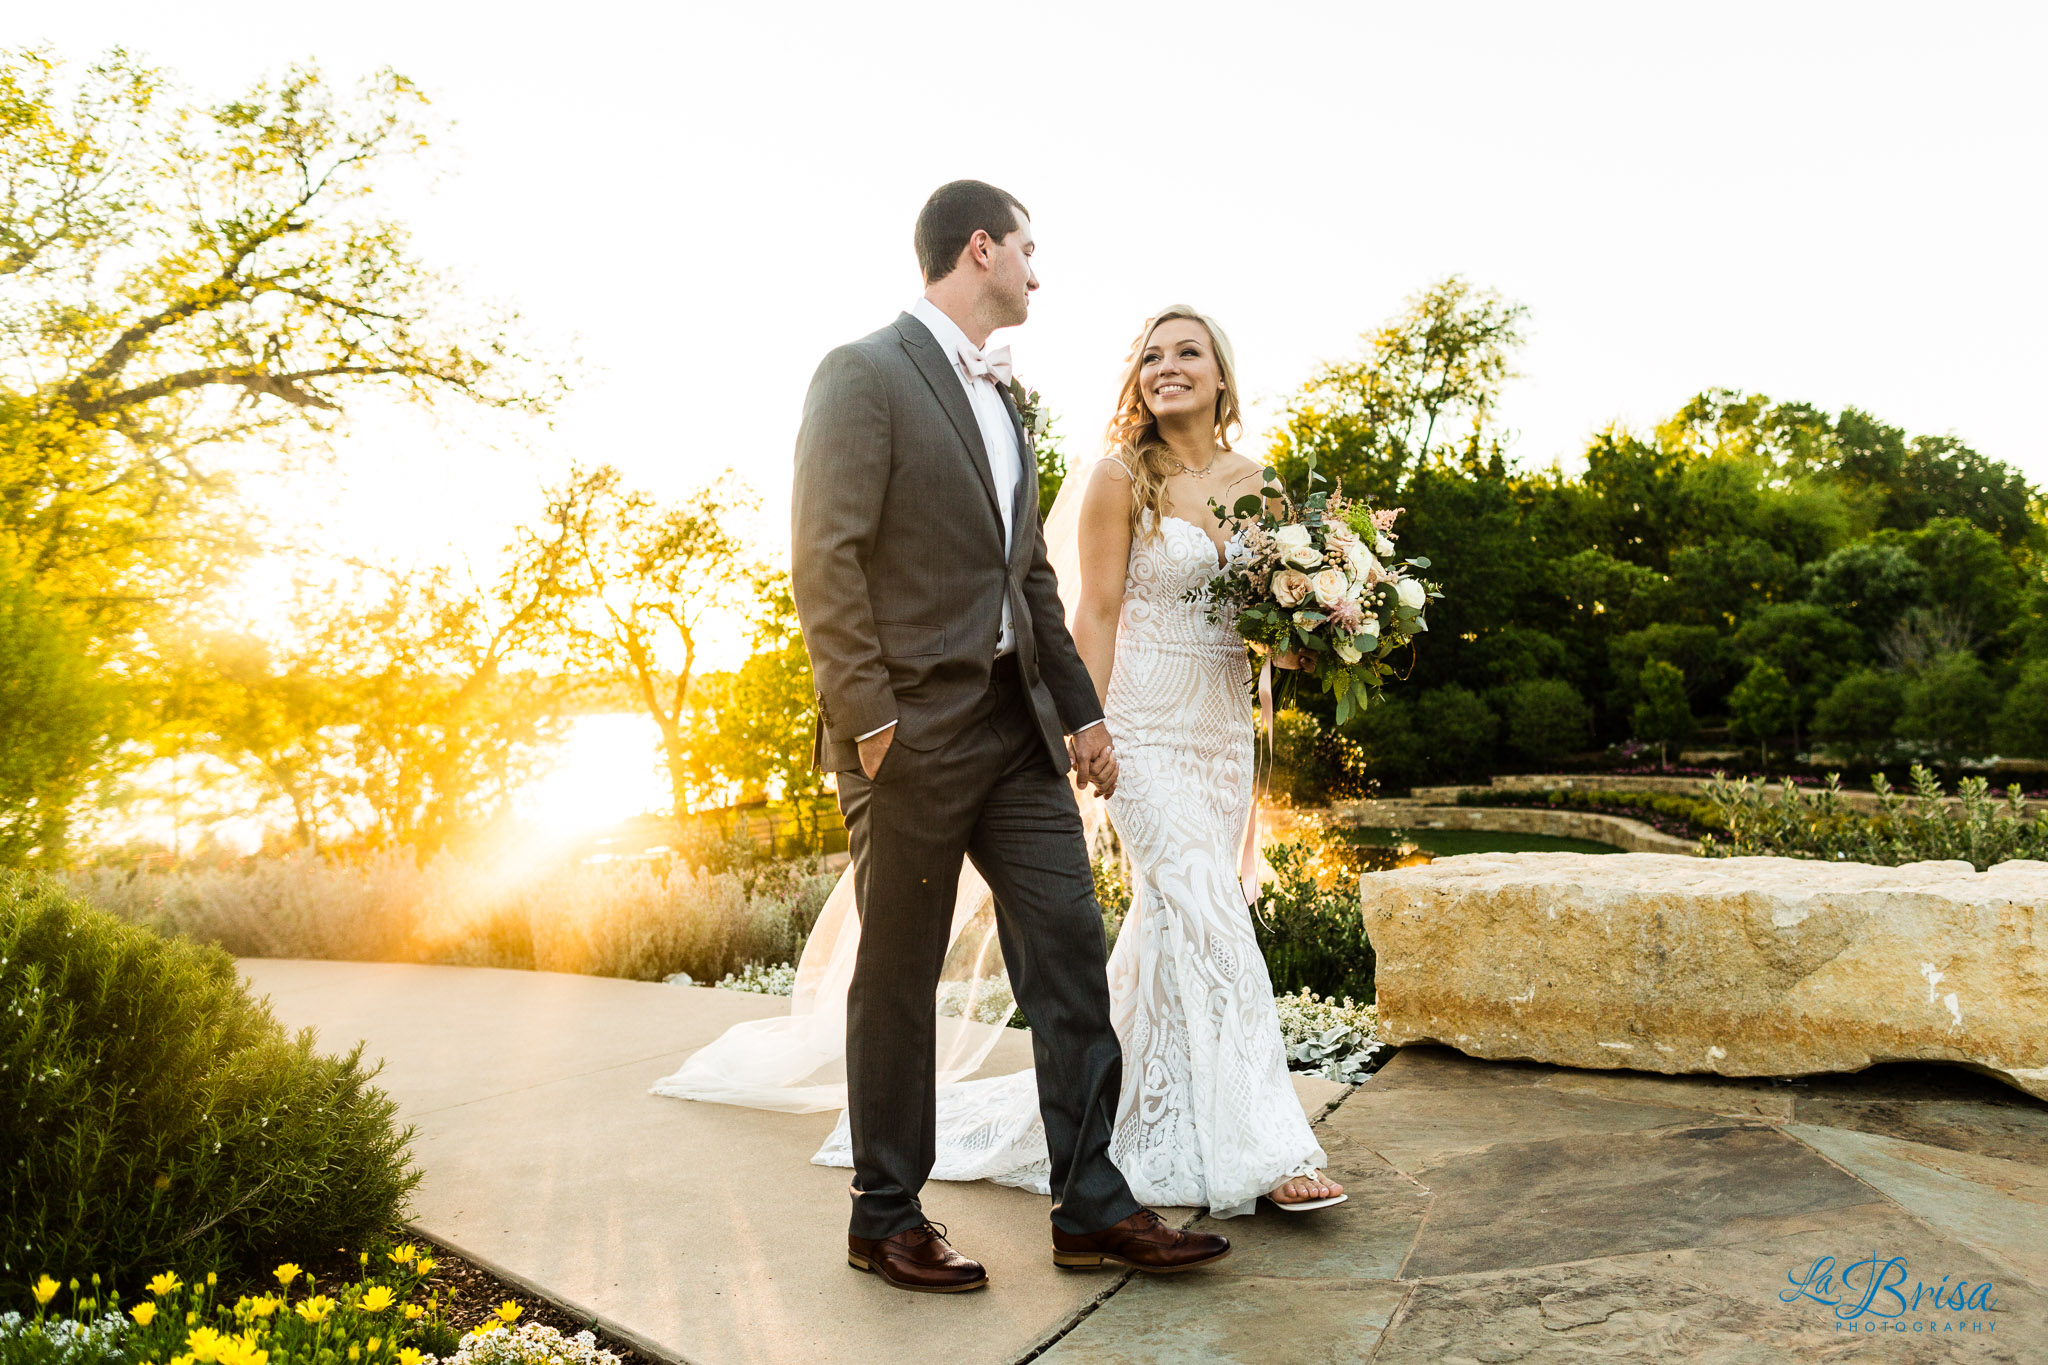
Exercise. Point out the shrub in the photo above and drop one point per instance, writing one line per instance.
(1950, 705)
(1335, 1040)
(1545, 719)
(2021, 727)
(1824, 825)
(1858, 715)
(57, 714)
(1684, 817)
(1457, 730)
(1312, 936)
(149, 1108)
(1312, 764)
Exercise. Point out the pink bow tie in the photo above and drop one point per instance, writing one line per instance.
(992, 365)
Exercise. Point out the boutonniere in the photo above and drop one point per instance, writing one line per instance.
(1030, 410)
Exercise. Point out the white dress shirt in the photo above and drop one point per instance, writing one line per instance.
(998, 438)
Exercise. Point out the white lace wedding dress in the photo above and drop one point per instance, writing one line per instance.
(1208, 1116)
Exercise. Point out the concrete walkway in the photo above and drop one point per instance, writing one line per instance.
(1500, 1212)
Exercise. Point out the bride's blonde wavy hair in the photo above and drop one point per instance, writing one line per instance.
(1133, 436)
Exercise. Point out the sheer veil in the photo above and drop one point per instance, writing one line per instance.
(797, 1063)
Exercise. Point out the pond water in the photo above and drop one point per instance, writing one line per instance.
(1368, 849)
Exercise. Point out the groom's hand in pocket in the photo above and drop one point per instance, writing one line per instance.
(873, 749)
(1094, 759)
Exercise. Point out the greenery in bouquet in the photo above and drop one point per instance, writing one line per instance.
(1313, 580)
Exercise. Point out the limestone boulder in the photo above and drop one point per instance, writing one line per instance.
(1737, 966)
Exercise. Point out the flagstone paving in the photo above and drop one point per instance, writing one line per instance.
(1500, 1212)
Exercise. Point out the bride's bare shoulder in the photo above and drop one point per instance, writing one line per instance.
(1108, 470)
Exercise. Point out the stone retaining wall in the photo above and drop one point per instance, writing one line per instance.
(1860, 798)
(1630, 835)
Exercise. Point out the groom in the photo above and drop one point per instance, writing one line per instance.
(950, 702)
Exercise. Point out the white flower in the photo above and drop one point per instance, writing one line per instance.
(1338, 540)
(1362, 562)
(1302, 556)
(1384, 547)
(1291, 535)
(1347, 651)
(1371, 626)
(1308, 620)
(1290, 587)
(1328, 587)
(1411, 594)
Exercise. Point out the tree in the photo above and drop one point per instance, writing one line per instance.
(185, 278)
(1424, 390)
(1698, 653)
(1662, 715)
(2021, 728)
(1809, 644)
(57, 714)
(751, 728)
(1761, 707)
(1860, 712)
(629, 585)
(1545, 719)
(1870, 584)
(1949, 705)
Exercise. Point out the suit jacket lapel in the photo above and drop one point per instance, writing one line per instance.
(938, 372)
(1027, 478)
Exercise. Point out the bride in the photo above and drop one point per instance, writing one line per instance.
(1207, 1116)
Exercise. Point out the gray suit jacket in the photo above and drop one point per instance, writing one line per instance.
(897, 556)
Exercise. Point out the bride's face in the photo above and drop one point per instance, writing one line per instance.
(1179, 375)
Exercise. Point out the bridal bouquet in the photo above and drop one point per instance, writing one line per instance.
(1317, 579)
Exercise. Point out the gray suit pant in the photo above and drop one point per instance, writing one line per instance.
(989, 793)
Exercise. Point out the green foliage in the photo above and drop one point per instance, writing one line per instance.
(1870, 584)
(1762, 705)
(1826, 825)
(1312, 763)
(151, 1110)
(57, 721)
(1662, 716)
(1698, 653)
(1446, 732)
(750, 729)
(1859, 715)
(1950, 705)
(1683, 816)
(1312, 936)
(2021, 726)
(1545, 720)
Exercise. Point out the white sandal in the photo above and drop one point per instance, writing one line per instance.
(1305, 1205)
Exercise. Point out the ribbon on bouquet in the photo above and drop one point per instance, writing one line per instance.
(1262, 777)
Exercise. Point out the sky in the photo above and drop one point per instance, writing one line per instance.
(1838, 203)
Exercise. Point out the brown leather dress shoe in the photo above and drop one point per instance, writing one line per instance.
(1142, 1242)
(918, 1259)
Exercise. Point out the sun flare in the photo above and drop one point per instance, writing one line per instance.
(606, 774)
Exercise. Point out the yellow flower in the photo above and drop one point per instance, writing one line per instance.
(205, 1345)
(426, 1266)
(376, 1298)
(263, 1305)
(45, 1290)
(404, 1255)
(410, 1355)
(355, 1352)
(212, 1279)
(315, 1309)
(413, 1312)
(508, 1312)
(143, 1313)
(362, 1258)
(373, 1344)
(164, 1284)
(242, 1351)
(286, 1273)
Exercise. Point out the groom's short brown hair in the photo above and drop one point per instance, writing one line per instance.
(956, 211)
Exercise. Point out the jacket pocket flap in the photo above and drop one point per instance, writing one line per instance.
(900, 639)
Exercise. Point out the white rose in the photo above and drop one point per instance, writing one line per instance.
(1354, 589)
(1411, 594)
(1302, 556)
(1362, 562)
(1384, 547)
(1339, 539)
(1347, 651)
(1308, 620)
(1288, 537)
(1328, 587)
(1371, 626)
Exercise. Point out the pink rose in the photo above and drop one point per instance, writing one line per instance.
(1290, 587)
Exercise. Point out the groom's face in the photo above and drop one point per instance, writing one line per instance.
(1011, 278)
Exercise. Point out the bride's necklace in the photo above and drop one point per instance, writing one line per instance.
(1189, 470)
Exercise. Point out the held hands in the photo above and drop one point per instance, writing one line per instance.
(1094, 759)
